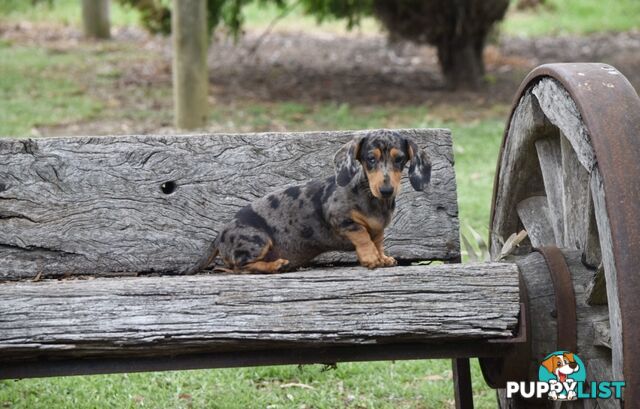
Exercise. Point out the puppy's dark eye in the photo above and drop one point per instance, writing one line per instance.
(399, 159)
(371, 161)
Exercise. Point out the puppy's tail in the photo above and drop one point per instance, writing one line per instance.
(208, 257)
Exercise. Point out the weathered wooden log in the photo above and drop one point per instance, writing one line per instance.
(132, 204)
(158, 316)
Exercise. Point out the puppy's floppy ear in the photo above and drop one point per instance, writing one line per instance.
(569, 356)
(550, 363)
(346, 161)
(419, 166)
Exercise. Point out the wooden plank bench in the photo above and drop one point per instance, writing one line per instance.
(96, 233)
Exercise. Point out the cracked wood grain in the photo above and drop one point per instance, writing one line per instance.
(94, 205)
(150, 316)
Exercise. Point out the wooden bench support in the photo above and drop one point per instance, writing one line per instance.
(462, 386)
(40, 368)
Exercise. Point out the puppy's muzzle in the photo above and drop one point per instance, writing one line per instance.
(386, 191)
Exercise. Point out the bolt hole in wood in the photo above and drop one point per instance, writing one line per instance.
(168, 187)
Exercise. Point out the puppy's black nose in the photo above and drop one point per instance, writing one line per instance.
(386, 191)
(572, 365)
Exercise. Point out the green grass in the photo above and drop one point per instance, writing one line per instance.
(575, 17)
(35, 89)
(66, 12)
(392, 385)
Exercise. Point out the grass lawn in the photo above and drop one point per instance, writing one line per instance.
(575, 17)
(35, 89)
(393, 385)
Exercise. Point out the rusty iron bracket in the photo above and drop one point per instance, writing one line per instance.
(567, 320)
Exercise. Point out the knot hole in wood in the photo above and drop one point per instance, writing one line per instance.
(167, 187)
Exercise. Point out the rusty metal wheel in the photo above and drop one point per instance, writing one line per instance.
(569, 174)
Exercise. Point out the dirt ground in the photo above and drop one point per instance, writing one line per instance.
(317, 66)
(369, 70)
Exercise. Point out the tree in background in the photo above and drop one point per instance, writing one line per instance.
(95, 19)
(457, 28)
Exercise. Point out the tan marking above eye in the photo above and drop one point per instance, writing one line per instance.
(377, 153)
(395, 152)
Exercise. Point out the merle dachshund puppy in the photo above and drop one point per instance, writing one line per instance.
(345, 212)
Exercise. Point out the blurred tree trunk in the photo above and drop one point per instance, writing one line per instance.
(461, 62)
(457, 28)
(190, 80)
(95, 18)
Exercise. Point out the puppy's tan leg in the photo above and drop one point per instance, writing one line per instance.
(266, 266)
(366, 251)
(387, 261)
(260, 266)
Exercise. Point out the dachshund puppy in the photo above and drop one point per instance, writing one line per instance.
(348, 211)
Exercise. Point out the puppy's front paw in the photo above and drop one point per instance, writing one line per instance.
(280, 263)
(388, 261)
(370, 260)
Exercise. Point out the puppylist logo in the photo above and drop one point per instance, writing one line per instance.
(562, 371)
(562, 376)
